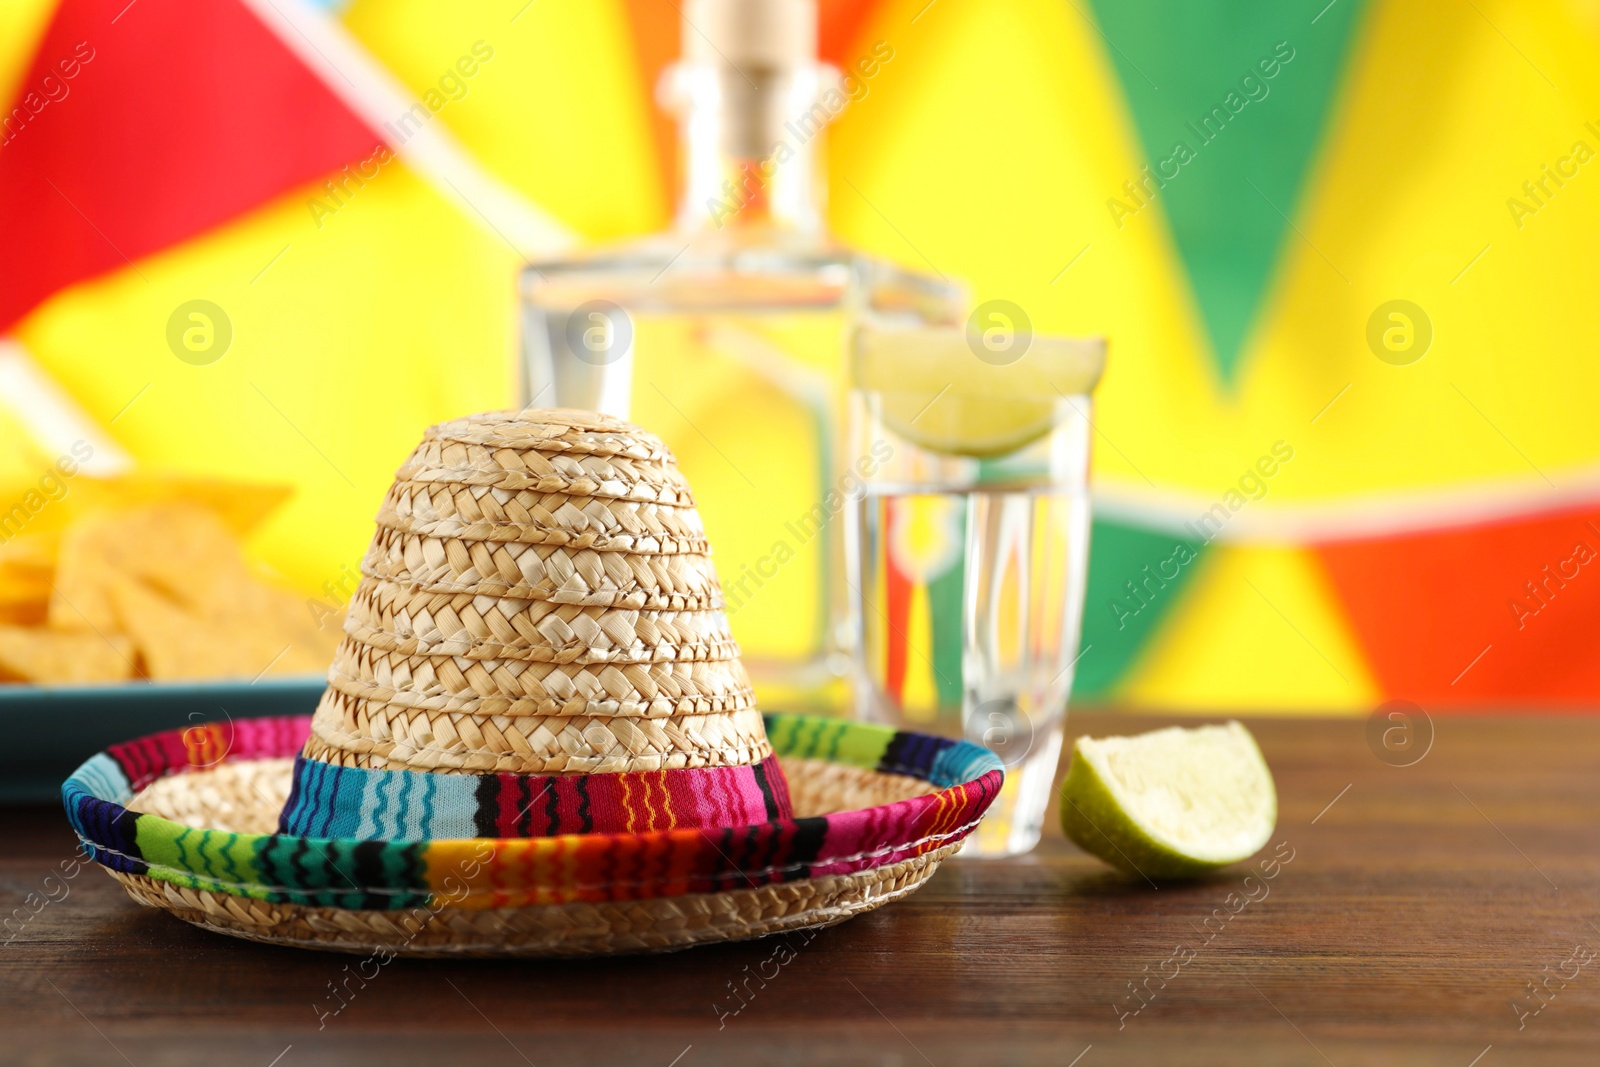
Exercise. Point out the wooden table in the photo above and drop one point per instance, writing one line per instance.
(1418, 905)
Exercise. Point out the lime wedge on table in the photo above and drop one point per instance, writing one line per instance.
(936, 393)
(1170, 803)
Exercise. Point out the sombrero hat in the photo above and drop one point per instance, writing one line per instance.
(537, 739)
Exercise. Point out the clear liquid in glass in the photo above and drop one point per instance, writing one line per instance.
(967, 578)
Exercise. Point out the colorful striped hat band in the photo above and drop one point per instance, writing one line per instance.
(355, 802)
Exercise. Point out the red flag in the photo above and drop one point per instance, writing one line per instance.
(1492, 614)
(141, 124)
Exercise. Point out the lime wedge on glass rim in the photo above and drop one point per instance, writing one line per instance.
(1171, 803)
(934, 391)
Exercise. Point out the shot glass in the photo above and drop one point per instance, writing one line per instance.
(967, 549)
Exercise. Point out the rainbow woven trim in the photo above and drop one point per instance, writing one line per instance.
(349, 872)
(331, 801)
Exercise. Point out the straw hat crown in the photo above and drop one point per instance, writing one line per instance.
(538, 603)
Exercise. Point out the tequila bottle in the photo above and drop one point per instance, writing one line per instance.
(727, 333)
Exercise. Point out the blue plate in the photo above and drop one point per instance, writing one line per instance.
(50, 730)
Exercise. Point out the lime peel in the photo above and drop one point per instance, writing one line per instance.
(1171, 803)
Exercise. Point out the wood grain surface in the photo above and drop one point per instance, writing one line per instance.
(1416, 907)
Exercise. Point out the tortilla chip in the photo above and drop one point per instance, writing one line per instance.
(35, 551)
(49, 656)
(181, 549)
(27, 565)
(25, 611)
(24, 593)
(241, 506)
(177, 643)
(147, 561)
(174, 643)
(287, 621)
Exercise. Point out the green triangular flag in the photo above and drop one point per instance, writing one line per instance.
(1244, 86)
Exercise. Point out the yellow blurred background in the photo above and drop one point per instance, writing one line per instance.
(1381, 164)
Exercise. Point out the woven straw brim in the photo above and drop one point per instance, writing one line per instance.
(187, 820)
(246, 796)
(579, 929)
(559, 930)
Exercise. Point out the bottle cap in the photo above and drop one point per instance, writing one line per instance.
(750, 34)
